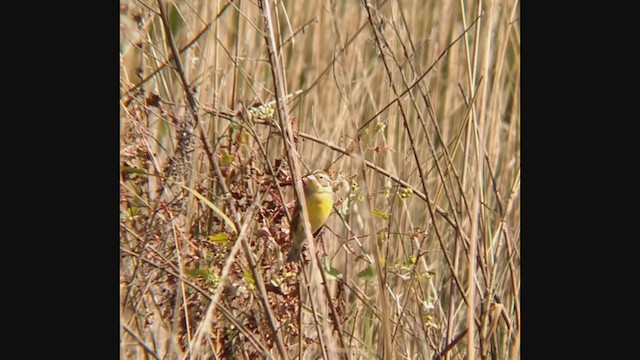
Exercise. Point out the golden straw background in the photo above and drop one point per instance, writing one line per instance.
(413, 106)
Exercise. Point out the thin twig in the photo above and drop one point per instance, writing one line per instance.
(146, 347)
(419, 79)
(335, 57)
(279, 84)
(171, 56)
(200, 332)
(226, 312)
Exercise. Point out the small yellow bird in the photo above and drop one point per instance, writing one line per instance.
(318, 194)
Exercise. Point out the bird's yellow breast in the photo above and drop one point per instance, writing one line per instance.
(319, 206)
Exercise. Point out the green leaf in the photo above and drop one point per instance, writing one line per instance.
(131, 213)
(367, 273)
(175, 19)
(249, 279)
(129, 169)
(383, 261)
(211, 277)
(198, 272)
(219, 238)
(220, 213)
(380, 214)
(332, 273)
(227, 159)
(244, 137)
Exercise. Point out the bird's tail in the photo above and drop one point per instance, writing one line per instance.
(294, 253)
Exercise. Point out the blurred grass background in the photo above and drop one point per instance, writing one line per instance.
(413, 106)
